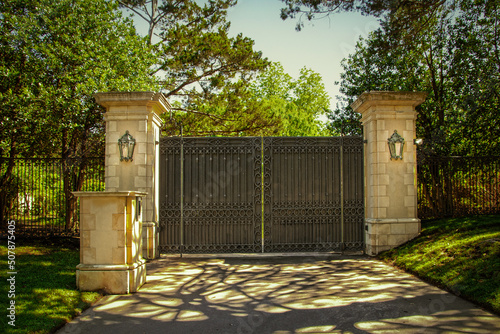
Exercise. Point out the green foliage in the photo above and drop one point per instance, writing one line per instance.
(474, 69)
(36, 191)
(295, 104)
(46, 295)
(234, 112)
(274, 104)
(54, 56)
(205, 72)
(454, 58)
(461, 255)
(411, 11)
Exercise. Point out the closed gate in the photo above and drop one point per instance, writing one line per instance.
(252, 194)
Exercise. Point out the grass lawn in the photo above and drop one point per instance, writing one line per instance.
(461, 255)
(45, 285)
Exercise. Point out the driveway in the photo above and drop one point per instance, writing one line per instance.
(282, 294)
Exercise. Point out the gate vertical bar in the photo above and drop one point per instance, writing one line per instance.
(181, 248)
(266, 194)
(262, 222)
(342, 193)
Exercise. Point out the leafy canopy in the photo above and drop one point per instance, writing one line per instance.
(413, 13)
(455, 58)
(54, 56)
(204, 71)
(296, 104)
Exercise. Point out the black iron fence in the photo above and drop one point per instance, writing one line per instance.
(458, 186)
(37, 193)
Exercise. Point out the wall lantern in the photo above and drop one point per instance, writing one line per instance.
(396, 144)
(126, 144)
(418, 141)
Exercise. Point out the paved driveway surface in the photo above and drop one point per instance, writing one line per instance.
(282, 295)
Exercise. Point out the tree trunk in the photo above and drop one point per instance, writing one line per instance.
(74, 175)
(5, 186)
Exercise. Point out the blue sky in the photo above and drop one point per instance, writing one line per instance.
(320, 46)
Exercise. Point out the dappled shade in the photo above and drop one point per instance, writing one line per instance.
(285, 295)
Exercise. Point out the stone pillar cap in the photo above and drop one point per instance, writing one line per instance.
(132, 98)
(370, 98)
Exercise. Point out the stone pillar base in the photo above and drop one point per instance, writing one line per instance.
(384, 234)
(110, 242)
(150, 240)
(118, 279)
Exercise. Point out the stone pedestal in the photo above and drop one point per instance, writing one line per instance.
(139, 114)
(110, 242)
(390, 185)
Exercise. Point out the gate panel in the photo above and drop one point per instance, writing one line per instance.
(221, 195)
(353, 193)
(170, 193)
(304, 213)
(313, 194)
(310, 191)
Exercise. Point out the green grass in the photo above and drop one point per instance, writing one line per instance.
(46, 296)
(461, 255)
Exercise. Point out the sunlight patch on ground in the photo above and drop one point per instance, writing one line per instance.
(115, 305)
(226, 296)
(166, 316)
(317, 329)
(440, 322)
(271, 308)
(189, 315)
(174, 302)
(144, 311)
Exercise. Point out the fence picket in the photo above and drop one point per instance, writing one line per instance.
(33, 193)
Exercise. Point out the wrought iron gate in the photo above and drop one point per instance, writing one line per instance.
(313, 193)
(210, 195)
(222, 194)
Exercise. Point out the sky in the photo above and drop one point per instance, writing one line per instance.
(320, 45)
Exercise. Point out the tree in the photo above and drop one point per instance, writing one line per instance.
(51, 64)
(295, 104)
(456, 60)
(204, 71)
(474, 51)
(234, 112)
(410, 29)
(412, 15)
(274, 104)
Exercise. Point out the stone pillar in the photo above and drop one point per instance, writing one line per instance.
(390, 185)
(110, 242)
(139, 114)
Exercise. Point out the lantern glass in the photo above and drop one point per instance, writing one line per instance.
(396, 146)
(126, 144)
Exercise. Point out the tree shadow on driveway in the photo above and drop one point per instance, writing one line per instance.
(283, 295)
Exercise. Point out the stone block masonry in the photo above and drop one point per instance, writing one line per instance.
(391, 190)
(110, 242)
(114, 239)
(139, 113)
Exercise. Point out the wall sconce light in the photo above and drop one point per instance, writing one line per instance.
(418, 141)
(396, 145)
(126, 144)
